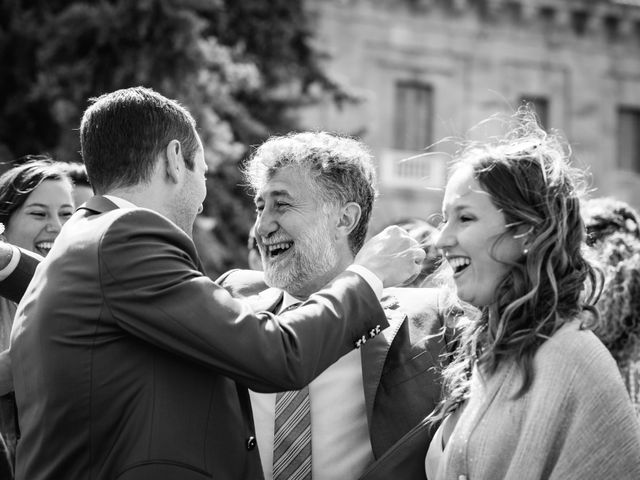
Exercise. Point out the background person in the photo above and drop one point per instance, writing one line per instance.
(35, 201)
(612, 229)
(314, 193)
(604, 216)
(144, 374)
(535, 393)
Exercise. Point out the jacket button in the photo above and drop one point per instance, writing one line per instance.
(251, 443)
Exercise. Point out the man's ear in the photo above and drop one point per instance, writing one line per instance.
(350, 214)
(174, 160)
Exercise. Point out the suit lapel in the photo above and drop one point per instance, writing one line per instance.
(374, 353)
(401, 461)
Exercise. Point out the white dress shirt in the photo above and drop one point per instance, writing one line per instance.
(340, 445)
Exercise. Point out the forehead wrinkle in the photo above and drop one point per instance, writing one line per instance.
(272, 193)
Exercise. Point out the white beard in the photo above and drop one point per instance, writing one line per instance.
(314, 255)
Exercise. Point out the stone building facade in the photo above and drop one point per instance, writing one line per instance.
(434, 69)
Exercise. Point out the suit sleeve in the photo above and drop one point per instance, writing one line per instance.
(14, 286)
(153, 290)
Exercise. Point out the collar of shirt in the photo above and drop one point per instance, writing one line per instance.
(287, 301)
(120, 202)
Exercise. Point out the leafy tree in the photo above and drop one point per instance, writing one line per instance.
(241, 67)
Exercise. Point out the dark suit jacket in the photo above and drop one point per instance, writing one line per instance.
(14, 286)
(127, 358)
(400, 367)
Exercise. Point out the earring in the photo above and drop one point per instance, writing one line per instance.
(525, 252)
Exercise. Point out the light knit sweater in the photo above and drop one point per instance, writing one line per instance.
(575, 422)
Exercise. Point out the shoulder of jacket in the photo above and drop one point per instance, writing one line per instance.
(243, 282)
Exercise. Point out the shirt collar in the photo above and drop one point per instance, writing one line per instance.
(288, 300)
(120, 202)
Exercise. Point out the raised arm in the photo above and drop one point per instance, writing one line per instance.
(17, 267)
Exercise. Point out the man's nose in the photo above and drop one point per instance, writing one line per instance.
(266, 223)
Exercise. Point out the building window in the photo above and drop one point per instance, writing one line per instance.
(540, 105)
(407, 164)
(579, 20)
(413, 116)
(628, 139)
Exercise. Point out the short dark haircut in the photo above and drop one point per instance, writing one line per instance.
(123, 132)
(20, 181)
(341, 167)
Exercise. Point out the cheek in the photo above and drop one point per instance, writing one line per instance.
(22, 231)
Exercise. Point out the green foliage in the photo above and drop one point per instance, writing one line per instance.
(241, 67)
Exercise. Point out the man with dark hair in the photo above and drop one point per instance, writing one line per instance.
(314, 193)
(127, 361)
(123, 133)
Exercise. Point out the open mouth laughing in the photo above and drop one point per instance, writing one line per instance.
(459, 264)
(274, 250)
(43, 248)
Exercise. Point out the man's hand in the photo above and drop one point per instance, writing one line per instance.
(392, 255)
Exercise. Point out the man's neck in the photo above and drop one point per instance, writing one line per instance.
(151, 198)
(139, 197)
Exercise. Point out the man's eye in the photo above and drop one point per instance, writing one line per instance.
(281, 204)
(465, 218)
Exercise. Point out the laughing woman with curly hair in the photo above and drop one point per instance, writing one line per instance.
(532, 393)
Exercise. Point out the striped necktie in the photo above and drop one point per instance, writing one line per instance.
(292, 433)
(292, 436)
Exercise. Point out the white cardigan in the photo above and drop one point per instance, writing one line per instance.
(575, 422)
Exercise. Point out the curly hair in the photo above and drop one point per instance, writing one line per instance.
(341, 168)
(604, 216)
(529, 179)
(619, 304)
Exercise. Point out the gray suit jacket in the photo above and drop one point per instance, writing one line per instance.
(400, 367)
